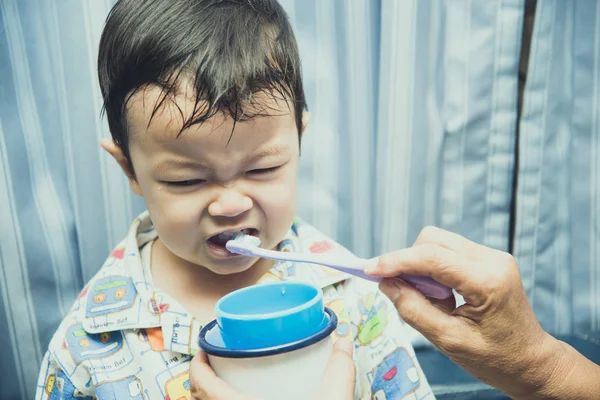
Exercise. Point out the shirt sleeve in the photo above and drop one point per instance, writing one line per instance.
(60, 377)
(54, 384)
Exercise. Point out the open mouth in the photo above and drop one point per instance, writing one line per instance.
(217, 242)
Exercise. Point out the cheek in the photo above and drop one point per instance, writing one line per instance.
(173, 212)
(278, 202)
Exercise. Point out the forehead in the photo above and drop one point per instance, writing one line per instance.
(154, 116)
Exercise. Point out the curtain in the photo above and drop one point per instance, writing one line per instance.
(414, 122)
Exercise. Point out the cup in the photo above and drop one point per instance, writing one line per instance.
(271, 341)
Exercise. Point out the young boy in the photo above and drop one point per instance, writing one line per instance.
(205, 105)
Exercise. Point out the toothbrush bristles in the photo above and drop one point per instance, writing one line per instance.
(249, 239)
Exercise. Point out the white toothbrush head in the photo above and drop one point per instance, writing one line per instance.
(243, 244)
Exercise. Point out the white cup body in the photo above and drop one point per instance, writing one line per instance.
(294, 375)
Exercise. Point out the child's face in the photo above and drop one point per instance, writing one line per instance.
(198, 185)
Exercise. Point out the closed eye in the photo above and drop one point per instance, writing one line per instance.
(189, 182)
(263, 171)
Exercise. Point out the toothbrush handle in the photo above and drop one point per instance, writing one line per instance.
(428, 286)
(425, 284)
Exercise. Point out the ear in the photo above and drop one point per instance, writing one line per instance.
(116, 153)
(305, 120)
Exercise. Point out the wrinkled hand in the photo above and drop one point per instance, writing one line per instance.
(337, 383)
(495, 336)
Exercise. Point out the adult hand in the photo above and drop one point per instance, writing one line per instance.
(495, 336)
(337, 383)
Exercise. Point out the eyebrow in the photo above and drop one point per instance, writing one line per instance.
(266, 152)
(172, 164)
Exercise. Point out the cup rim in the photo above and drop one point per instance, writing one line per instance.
(265, 316)
(213, 350)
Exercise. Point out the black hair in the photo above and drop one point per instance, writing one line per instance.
(230, 49)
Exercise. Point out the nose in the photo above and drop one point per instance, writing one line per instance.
(230, 203)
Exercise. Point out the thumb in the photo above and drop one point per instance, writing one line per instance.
(340, 374)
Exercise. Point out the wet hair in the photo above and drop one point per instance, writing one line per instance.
(229, 50)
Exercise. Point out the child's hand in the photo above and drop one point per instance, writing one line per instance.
(205, 385)
(337, 383)
(340, 374)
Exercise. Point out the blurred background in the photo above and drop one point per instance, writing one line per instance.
(481, 117)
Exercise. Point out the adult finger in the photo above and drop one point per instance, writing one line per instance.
(443, 265)
(418, 311)
(446, 239)
(447, 305)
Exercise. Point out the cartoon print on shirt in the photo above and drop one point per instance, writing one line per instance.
(85, 346)
(396, 376)
(374, 318)
(110, 294)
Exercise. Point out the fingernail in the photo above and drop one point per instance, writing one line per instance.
(391, 288)
(370, 264)
(344, 345)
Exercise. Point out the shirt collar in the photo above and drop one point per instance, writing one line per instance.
(121, 295)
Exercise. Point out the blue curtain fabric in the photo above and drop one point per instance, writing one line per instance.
(414, 123)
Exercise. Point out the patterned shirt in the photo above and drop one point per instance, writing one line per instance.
(126, 339)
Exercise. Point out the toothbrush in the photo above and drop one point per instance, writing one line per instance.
(248, 245)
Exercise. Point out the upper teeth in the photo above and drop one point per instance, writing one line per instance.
(226, 235)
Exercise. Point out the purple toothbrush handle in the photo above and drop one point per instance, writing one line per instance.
(428, 286)
(425, 284)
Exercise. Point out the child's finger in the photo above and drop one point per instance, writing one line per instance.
(340, 374)
(205, 384)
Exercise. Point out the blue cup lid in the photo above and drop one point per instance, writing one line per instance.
(268, 315)
(211, 341)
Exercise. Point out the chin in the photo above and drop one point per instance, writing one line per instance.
(228, 271)
(228, 268)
